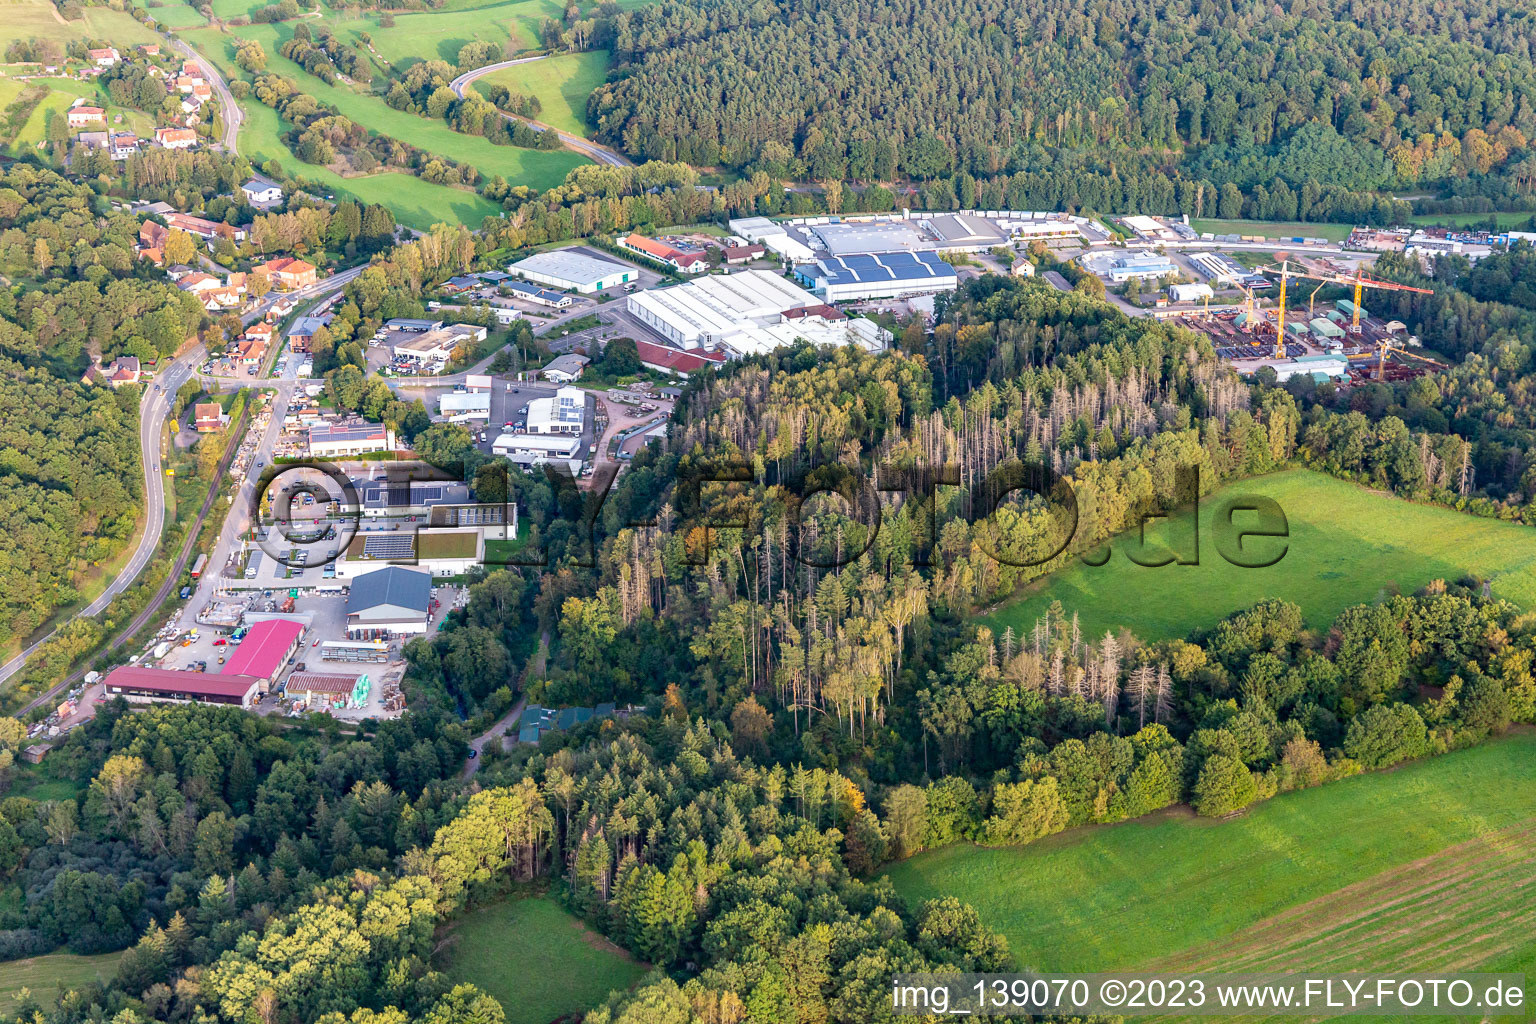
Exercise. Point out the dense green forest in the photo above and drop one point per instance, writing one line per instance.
(1148, 100)
(70, 476)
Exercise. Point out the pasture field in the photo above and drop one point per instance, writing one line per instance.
(1515, 219)
(562, 85)
(417, 203)
(1273, 229)
(176, 14)
(44, 974)
(519, 166)
(1347, 545)
(1419, 868)
(39, 19)
(537, 960)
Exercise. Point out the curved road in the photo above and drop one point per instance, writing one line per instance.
(153, 410)
(230, 110)
(593, 150)
(154, 406)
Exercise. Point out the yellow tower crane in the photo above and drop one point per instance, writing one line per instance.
(1360, 283)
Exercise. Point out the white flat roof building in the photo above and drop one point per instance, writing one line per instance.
(574, 271)
(461, 407)
(538, 449)
(703, 312)
(564, 412)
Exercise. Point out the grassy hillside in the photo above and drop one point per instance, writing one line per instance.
(1346, 545)
(39, 19)
(562, 85)
(518, 166)
(1173, 889)
(538, 960)
(45, 974)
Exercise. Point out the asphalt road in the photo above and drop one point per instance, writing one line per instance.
(154, 408)
(230, 110)
(593, 150)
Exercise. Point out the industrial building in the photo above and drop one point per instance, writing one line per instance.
(564, 412)
(437, 345)
(533, 293)
(574, 271)
(450, 552)
(1118, 268)
(335, 440)
(328, 690)
(1320, 368)
(701, 313)
(1189, 292)
(872, 236)
(746, 313)
(675, 362)
(395, 601)
(529, 450)
(265, 650)
(878, 276)
(385, 497)
(965, 232)
(142, 684)
(465, 407)
(1218, 267)
(688, 261)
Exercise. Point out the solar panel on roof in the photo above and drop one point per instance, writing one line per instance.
(390, 546)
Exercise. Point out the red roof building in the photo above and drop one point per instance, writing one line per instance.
(265, 650)
(741, 253)
(208, 417)
(140, 683)
(672, 361)
(686, 260)
(288, 272)
(825, 312)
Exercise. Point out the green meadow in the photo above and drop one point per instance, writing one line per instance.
(562, 85)
(1172, 889)
(1346, 545)
(1274, 229)
(537, 960)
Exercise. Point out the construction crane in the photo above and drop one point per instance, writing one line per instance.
(1360, 283)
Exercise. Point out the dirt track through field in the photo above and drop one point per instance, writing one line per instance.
(1457, 910)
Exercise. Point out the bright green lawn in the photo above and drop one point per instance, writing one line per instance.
(518, 166)
(562, 85)
(538, 960)
(44, 974)
(1273, 229)
(10, 92)
(1460, 220)
(1119, 896)
(1346, 546)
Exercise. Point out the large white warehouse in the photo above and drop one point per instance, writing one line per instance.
(702, 312)
(573, 271)
(748, 313)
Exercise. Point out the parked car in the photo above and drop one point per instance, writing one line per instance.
(221, 641)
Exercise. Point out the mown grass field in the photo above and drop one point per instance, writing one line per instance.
(538, 960)
(175, 14)
(1421, 868)
(44, 974)
(38, 19)
(1273, 229)
(1515, 220)
(1347, 545)
(562, 85)
(518, 166)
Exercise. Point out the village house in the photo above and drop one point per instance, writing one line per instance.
(287, 272)
(175, 138)
(104, 58)
(82, 115)
(208, 417)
